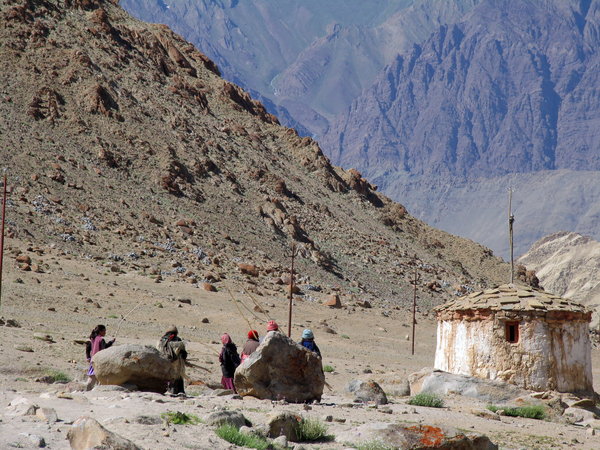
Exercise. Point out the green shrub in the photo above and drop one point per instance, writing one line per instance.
(527, 411)
(424, 399)
(231, 434)
(374, 445)
(345, 336)
(328, 368)
(113, 316)
(311, 430)
(58, 375)
(179, 418)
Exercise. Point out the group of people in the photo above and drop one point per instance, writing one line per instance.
(172, 347)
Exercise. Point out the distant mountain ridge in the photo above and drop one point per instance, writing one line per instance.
(517, 95)
(306, 61)
(509, 95)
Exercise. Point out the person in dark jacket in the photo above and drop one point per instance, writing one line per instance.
(229, 360)
(93, 346)
(173, 348)
(308, 341)
(251, 344)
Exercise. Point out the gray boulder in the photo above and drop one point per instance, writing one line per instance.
(284, 423)
(234, 418)
(435, 381)
(141, 365)
(366, 391)
(415, 437)
(86, 433)
(281, 369)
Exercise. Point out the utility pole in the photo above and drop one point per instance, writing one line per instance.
(511, 219)
(293, 255)
(2, 234)
(414, 311)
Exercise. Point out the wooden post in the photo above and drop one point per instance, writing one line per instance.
(511, 219)
(2, 235)
(291, 290)
(414, 312)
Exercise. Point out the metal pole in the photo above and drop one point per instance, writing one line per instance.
(291, 290)
(2, 235)
(511, 219)
(414, 312)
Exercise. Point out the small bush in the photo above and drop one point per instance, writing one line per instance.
(113, 316)
(179, 418)
(311, 430)
(424, 399)
(374, 445)
(328, 368)
(58, 375)
(345, 336)
(528, 411)
(232, 435)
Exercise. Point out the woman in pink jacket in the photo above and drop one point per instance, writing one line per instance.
(95, 344)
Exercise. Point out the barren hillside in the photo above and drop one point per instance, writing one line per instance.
(122, 141)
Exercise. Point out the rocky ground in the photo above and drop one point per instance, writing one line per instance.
(57, 309)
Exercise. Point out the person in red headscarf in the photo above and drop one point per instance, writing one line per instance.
(229, 360)
(251, 344)
(271, 326)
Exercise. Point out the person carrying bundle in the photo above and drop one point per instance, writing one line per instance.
(173, 348)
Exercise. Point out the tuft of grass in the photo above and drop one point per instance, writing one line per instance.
(311, 430)
(328, 368)
(527, 411)
(58, 375)
(232, 435)
(113, 316)
(425, 399)
(179, 418)
(373, 445)
(345, 336)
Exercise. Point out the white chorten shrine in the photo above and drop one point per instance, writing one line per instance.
(517, 334)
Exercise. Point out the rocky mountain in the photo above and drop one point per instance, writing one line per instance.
(124, 145)
(306, 61)
(510, 90)
(567, 264)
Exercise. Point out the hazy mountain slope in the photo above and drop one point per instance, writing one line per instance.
(310, 59)
(335, 69)
(567, 264)
(518, 95)
(123, 143)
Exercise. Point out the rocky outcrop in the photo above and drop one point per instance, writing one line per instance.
(140, 365)
(567, 264)
(87, 433)
(366, 391)
(416, 437)
(281, 369)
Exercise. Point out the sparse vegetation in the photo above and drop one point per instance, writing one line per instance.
(345, 336)
(328, 368)
(311, 430)
(179, 418)
(113, 316)
(231, 434)
(527, 411)
(58, 375)
(425, 399)
(373, 445)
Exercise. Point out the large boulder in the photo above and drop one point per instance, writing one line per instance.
(86, 433)
(415, 437)
(433, 381)
(366, 391)
(281, 369)
(141, 365)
